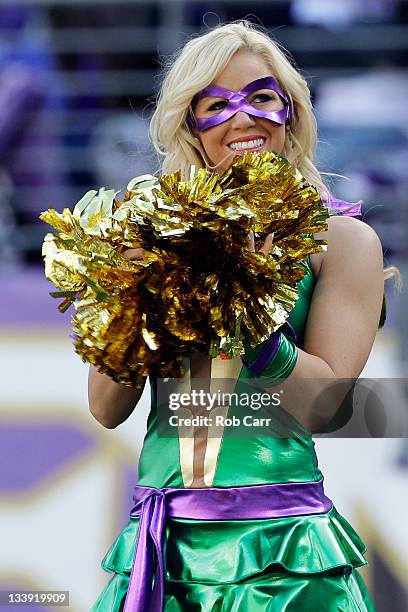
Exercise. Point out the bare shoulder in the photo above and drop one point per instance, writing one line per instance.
(348, 237)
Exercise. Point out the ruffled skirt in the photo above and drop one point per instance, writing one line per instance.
(291, 564)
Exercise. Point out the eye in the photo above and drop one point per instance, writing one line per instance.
(262, 97)
(220, 104)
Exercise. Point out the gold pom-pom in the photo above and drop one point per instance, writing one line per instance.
(198, 286)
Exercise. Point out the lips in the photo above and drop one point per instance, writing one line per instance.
(249, 137)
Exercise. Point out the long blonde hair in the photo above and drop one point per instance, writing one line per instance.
(197, 65)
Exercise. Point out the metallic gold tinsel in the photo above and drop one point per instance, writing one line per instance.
(198, 287)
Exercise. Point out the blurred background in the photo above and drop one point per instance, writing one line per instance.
(77, 86)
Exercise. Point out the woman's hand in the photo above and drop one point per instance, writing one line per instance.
(267, 245)
(133, 254)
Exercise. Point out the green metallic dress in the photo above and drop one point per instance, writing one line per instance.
(300, 563)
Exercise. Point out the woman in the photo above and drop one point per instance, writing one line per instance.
(248, 525)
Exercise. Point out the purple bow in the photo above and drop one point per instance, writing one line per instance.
(348, 209)
(211, 504)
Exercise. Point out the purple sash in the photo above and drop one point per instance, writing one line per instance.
(210, 504)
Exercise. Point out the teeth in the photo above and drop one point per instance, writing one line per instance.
(249, 144)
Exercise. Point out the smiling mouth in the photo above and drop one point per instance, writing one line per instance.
(246, 145)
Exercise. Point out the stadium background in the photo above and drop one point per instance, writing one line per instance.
(77, 84)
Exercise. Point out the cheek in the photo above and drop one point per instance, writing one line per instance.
(278, 136)
(212, 140)
(281, 144)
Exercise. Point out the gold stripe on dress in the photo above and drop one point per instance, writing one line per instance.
(186, 448)
(200, 446)
(215, 435)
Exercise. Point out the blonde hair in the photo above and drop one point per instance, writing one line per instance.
(197, 65)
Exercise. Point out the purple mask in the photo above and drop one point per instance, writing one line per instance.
(237, 102)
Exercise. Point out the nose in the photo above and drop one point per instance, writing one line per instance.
(242, 119)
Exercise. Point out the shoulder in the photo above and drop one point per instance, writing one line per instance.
(345, 308)
(347, 238)
(350, 236)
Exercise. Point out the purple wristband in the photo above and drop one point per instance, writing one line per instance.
(289, 331)
(266, 355)
(270, 349)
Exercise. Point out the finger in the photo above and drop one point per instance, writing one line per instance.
(251, 241)
(267, 245)
(133, 253)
